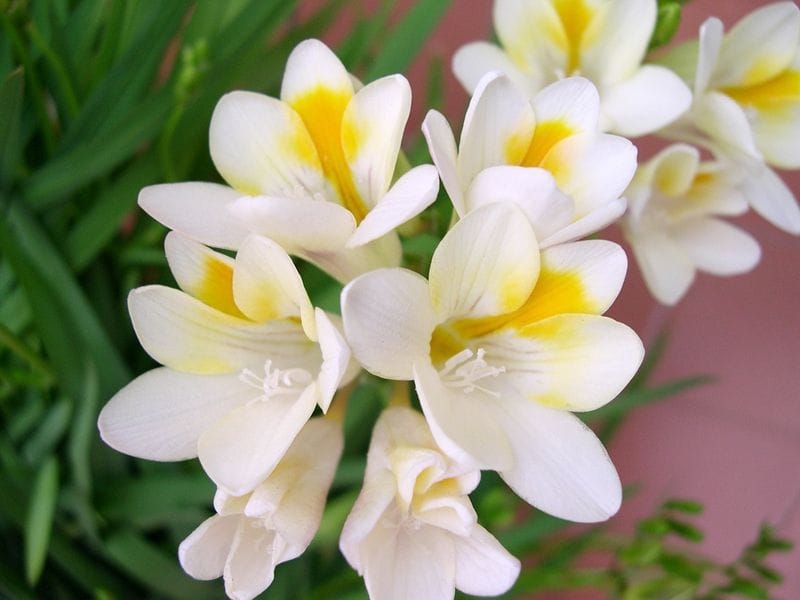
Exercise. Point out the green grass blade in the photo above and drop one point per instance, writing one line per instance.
(11, 93)
(39, 522)
(406, 39)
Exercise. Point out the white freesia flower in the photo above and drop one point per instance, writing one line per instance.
(747, 102)
(545, 155)
(311, 171)
(246, 360)
(602, 40)
(253, 533)
(672, 224)
(502, 343)
(413, 532)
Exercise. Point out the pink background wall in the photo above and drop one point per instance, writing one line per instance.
(733, 444)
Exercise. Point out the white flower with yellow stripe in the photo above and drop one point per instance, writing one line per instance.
(312, 170)
(246, 361)
(673, 225)
(603, 40)
(747, 102)
(413, 532)
(545, 155)
(251, 534)
(502, 343)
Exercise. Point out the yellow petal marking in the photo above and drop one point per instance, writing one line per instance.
(321, 110)
(782, 88)
(546, 135)
(216, 286)
(556, 292)
(575, 17)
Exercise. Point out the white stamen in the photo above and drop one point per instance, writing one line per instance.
(465, 369)
(276, 382)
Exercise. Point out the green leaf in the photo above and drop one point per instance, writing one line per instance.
(11, 93)
(50, 431)
(683, 505)
(405, 40)
(684, 530)
(83, 432)
(630, 399)
(39, 522)
(746, 588)
(154, 569)
(66, 322)
(667, 23)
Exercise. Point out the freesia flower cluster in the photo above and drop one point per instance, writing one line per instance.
(504, 338)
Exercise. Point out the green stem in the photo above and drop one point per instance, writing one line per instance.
(59, 70)
(10, 341)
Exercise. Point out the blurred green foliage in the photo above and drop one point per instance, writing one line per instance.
(98, 99)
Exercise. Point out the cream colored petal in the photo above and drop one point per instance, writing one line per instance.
(777, 134)
(161, 414)
(312, 65)
(241, 449)
(717, 247)
(710, 43)
(335, 358)
(592, 222)
(573, 102)
(388, 321)
(497, 128)
(410, 195)
(568, 361)
(346, 264)
(474, 60)
(202, 273)
(250, 568)
(267, 286)
(197, 210)
(674, 169)
(760, 46)
(487, 264)
(260, 146)
(186, 335)
(372, 129)
(483, 566)
(614, 44)
(772, 199)
(667, 270)
(645, 102)
(442, 148)
(203, 554)
(726, 124)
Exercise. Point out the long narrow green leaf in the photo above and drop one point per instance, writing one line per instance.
(40, 519)
(11, 92)
(403, 44)
(66, 322)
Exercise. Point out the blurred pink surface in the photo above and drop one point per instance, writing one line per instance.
(733, 444)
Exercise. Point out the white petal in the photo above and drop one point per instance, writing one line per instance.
(335, 358)
(717, 247)
(242, 448)
(569, 361)
(375, 496)
(666, 268)
(312, 459)
(572, 101)
(483, 566)
(533, 35)
(372, 129)
(560, 466)
(161, 414)
(348, 263)
(260, 146)
(487, 264)
(772, 199)
(463, 424)
(388, 321)
(615, 42)
(201, 272)
(777, 134)
(198, 210)
(251, 565)
(267, 286)
(726, 124)
(442, 148)
(531, 189)
(649, 100)
(203, 554)
(710, 42)
(312, 65)
(592, 222)
(299, 226)
(184, 334)
(760, 46)
(474, 60)
(498, 127)
(410, 195)
(396, 428)
(592, 169)
(400, 564)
